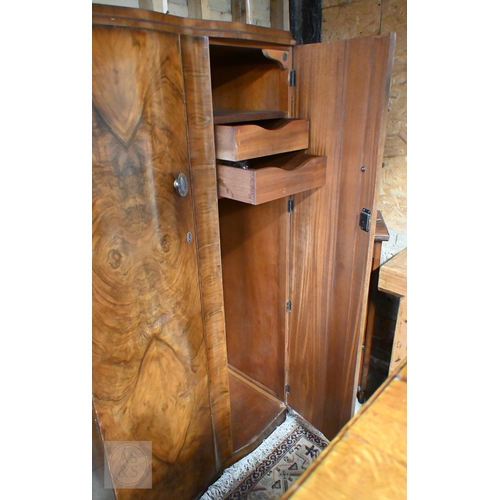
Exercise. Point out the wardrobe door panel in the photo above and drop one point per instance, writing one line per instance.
(343, 89)
(150, 374)
(196, 68)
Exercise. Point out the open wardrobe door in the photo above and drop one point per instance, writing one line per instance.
(342, 88)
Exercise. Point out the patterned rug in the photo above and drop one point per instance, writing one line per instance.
(268, 472)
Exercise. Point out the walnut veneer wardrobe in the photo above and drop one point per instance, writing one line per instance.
(233, 176)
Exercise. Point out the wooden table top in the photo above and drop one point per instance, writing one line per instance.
(368, 458)
(393, 273)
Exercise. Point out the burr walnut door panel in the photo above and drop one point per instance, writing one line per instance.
(150, 366)
(343, 89)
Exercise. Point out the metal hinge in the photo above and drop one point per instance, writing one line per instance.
(287, 389)
(293, 78)
(360, 395)
(290, 206)
(288, 306)
(365, 219)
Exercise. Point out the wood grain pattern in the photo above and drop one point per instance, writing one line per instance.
(252, 88)
(254, 241)
(150, 380)
(244, 79)
(393, 280)
(240, 33)
(282, 57)
(399, 345)
(196, 71)
(368, 459)
(381, 234)
(330, 268)
(271, 178)
(393, 274)
(253, 140)
(254, 414)
(342, 20)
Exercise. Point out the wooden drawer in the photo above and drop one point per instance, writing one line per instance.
(242, 141)
(268, 179)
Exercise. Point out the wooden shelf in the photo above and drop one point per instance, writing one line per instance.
(271, 178)
(222, 116)
(243, 141)
(254, 414)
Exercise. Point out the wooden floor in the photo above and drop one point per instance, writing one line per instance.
(254, 414)
(367, 460)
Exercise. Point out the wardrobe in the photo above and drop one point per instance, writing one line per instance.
(234, 185)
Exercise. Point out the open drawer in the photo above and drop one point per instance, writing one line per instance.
(261, 180)
(241, 141)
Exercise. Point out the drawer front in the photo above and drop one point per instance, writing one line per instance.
(243, 141)
(272, 178)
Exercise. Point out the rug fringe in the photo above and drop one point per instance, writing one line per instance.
(234, 474)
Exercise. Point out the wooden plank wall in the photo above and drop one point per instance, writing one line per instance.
(268, 13)
(345, 19)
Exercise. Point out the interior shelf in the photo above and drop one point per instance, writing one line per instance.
(242, 141)
(264, 179)
(254, 414)
(222, 116)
